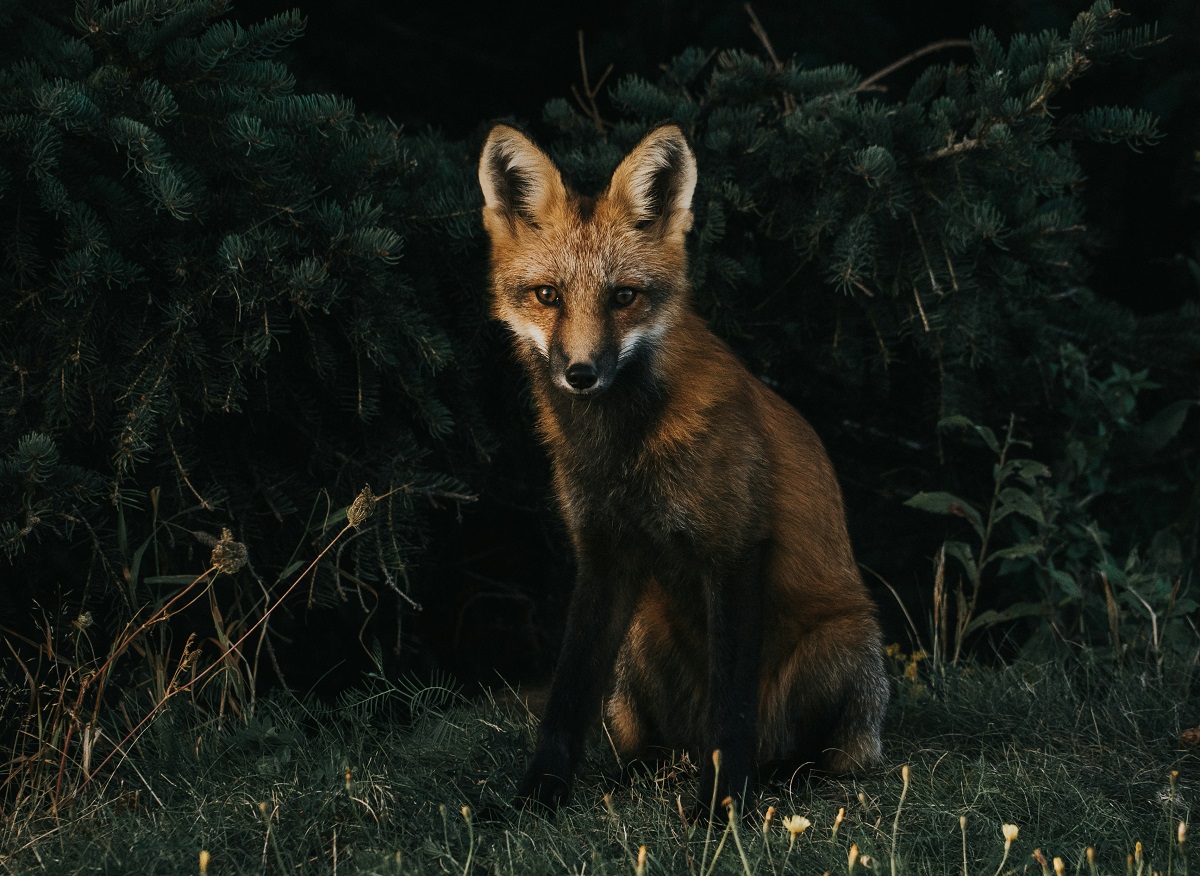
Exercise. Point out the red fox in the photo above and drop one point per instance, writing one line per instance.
(717, 605)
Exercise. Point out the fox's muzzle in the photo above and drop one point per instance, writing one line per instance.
(583, 376)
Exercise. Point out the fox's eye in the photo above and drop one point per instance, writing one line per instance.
(624, 296)
(548, 295)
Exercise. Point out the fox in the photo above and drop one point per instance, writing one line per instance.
(717, 607)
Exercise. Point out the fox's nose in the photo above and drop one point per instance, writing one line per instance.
(581, 375)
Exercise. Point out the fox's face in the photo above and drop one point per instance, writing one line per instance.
(586, 285)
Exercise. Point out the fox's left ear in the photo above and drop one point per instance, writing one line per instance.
(656, 181)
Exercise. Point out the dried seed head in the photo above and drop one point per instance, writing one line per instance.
(204, 856)
(188, 653)
(767, 819)
(1059, 867)
(641, 861)
(347, 780)
(1010, 832)
(852, 858)
(362, 507)
(1182, 833)
(1041, 859)
(228, 555)
(838, 819)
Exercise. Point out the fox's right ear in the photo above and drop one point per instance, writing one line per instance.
(520, 183)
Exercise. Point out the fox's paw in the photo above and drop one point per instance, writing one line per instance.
(725, 781)
(541, 792)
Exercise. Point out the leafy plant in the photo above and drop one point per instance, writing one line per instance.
(1057, 545)
(1016, 485)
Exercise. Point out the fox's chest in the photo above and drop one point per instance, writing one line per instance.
(612, 472)
(661, 499)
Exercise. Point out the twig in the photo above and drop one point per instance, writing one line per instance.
(587, 101)
(933, 283)
(909, 58)
(761, 33)
(789, 102)
(917, 643)
(896, 823)
(967, 144)
(183, 473)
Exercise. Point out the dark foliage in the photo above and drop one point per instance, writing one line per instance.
(227, 304)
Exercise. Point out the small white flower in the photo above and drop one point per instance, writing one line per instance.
(796, 824)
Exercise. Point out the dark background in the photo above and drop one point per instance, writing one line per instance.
(456, 66)
(502, 564)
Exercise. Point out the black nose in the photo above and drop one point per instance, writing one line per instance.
(581, 375)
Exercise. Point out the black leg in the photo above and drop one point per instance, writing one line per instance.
(597, 619)
(735, 608)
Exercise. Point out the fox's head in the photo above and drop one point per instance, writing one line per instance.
(587, 284)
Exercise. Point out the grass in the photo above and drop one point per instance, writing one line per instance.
(1075, 758)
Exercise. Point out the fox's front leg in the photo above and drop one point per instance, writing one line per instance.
(734, 601)
(597, 619)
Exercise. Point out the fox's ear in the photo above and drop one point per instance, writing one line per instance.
(519, 181)
(656, 181)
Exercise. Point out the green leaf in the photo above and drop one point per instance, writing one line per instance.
(1017, 501)
(1016, 611)
(962, 552)
(136, 565)
(291, 569)
(1157, 433)
(1015, 552)
(1185, 606)
(171, 579)
(958, 421)
(1066, 583)
(122, 533)
(1025, 469)
(947, 503)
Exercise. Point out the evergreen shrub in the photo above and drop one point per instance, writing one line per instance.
(229, 307)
